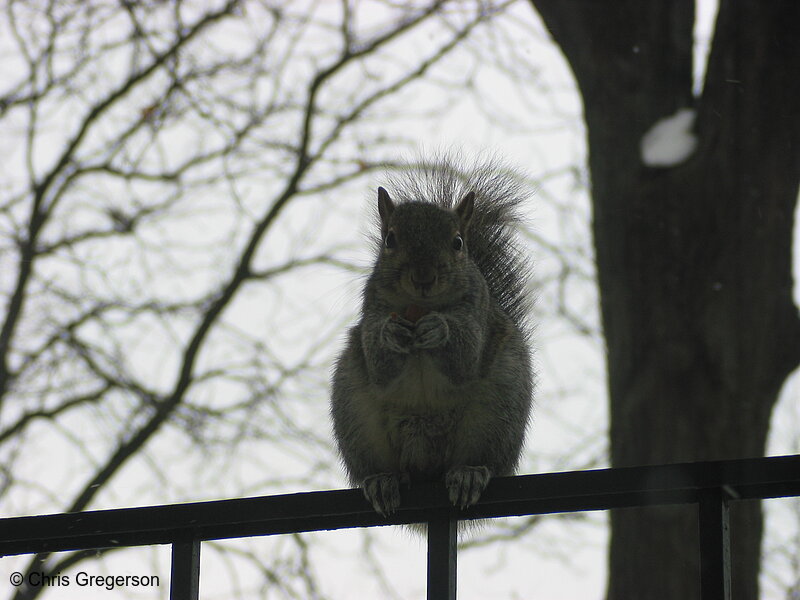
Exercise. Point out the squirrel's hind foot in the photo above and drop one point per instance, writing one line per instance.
(382, 490)
(466, 484)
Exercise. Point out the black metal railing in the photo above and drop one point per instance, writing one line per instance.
(710, 485)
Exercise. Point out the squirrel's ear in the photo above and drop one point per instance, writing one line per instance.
(464, 209)
(385, 209)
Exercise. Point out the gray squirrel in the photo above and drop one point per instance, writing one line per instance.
(435, 381)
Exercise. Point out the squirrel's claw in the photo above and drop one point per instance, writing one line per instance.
(466, 484)
(383, 492)
(432, 331)
(396, 335)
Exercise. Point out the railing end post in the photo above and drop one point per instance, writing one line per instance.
(715, 554)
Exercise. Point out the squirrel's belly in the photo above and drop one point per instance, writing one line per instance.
(423, 443)
(421, 386)
(422, 412)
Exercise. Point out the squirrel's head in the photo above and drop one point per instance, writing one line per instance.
(424, 247)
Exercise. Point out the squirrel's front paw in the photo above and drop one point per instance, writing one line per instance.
(396, 336)
(431, 331)
(466, 484)
(382, 490)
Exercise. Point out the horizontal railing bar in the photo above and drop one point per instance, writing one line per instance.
(573, 491)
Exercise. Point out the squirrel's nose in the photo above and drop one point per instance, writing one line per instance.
(423, 277)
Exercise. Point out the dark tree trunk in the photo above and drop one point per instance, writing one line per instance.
(694, 260)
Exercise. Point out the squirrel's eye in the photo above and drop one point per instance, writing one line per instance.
(458, 242)
(390, 242)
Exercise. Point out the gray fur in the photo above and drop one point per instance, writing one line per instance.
(435, 381)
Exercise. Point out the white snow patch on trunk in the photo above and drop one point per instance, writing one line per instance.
(669, 141)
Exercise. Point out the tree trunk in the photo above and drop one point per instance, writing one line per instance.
(694, 260)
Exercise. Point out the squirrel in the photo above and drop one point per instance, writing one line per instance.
(435, 381)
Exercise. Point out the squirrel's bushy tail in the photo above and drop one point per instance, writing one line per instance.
(491, 240)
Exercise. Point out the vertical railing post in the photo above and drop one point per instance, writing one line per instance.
(442, 541)
(715, 556)
(185, 579)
